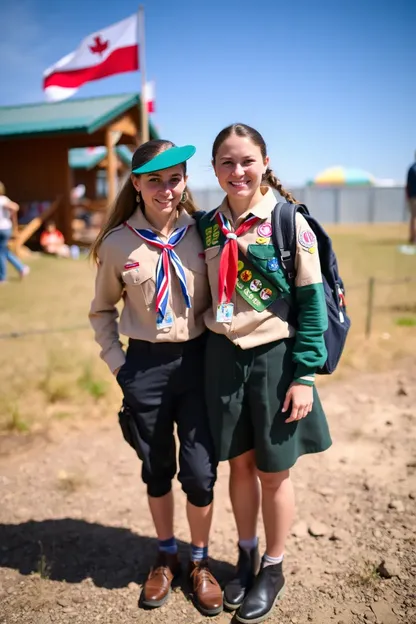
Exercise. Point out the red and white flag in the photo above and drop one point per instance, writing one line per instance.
(149, 94)
(113, 50)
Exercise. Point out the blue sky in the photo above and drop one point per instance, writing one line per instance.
(325, 82)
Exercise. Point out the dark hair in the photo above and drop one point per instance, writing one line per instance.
(242, 130)
(126, 202)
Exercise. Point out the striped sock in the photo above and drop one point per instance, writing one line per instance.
(168, 546)
(268, 561)
(198, 553)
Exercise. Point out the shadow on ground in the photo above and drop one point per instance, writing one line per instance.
(72, 550)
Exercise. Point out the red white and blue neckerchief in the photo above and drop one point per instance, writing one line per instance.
(162, 267)
(227, 276)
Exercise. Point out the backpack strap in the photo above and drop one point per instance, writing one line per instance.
(284, 236)
(283, 310)
(198, 215)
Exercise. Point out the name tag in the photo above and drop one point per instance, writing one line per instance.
(164, 322)
(225, 312)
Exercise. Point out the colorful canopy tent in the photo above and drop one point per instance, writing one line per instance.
(343, 176)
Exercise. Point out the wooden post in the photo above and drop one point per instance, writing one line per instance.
(370, 307)
(111, 167)
(144, 130)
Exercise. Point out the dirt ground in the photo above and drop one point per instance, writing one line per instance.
(76, 537)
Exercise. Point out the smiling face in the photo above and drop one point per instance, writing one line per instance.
(239, 167)
(161, 190)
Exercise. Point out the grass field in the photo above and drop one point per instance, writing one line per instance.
(53, 376)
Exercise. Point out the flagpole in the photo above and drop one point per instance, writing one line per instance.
(142, 67)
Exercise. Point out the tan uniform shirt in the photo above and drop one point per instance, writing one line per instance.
(250, 328)
(137, 285)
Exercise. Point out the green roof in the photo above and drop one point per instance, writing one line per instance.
(84, 115)
(124, 154)
(89, 157)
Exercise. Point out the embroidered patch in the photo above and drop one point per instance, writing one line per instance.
(307, 239)
(131, 265)
(246, 276)
(272, 264)
(212, 235)
(248, 281)
(264, 230)
(265, 294)
(256, 285)
(240, 265)
(262, 241)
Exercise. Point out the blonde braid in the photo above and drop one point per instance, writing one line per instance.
(275, 183)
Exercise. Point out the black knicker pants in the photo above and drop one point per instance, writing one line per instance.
(163, 383)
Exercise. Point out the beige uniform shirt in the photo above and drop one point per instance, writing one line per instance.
(137, 286)
(250, 328)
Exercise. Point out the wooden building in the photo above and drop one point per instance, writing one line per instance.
(35, 142)
(89, 168)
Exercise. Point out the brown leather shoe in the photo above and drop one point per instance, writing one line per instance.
(206, 590)
(157, 586)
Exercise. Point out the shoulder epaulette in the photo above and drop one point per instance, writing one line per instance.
(114, 229)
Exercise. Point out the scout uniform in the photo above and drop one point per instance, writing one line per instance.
(163, 284)
(252, 355)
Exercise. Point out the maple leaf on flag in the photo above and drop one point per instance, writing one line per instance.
(99, 46)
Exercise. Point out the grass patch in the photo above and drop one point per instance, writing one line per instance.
(54, 382)
(406, 321)
(47, 375)
(16, 423)
(43, 567)
(92, 385)
(54, 388)
(365, 576)
(62, 415)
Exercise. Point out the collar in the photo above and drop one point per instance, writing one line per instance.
(139, 221)
(262, 209)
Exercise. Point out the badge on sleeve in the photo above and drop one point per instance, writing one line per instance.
(307, 240)
(164, 322)
(225, 312)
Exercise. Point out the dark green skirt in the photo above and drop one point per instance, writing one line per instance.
(245, 391)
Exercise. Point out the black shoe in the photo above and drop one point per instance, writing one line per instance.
(268, 588)
(247, 567)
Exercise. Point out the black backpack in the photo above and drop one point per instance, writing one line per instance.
(284, 240)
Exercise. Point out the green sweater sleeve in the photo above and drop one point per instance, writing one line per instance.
(310, 352)
(312, 318)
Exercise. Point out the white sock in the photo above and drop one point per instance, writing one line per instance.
(268, 561)
(248, 544)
